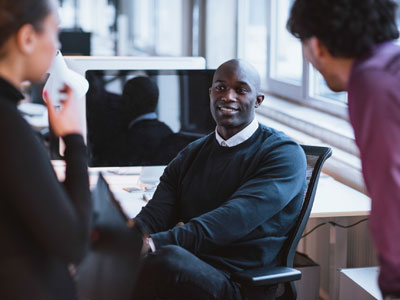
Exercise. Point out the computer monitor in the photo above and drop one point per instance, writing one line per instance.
(113, 134)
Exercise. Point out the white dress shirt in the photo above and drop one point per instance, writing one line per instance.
(239, 137)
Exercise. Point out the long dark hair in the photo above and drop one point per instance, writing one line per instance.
(16, 13)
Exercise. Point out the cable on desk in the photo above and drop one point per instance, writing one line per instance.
(333, 224)
(316, 227)
(347, 226)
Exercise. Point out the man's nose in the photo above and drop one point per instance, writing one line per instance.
(230, 95)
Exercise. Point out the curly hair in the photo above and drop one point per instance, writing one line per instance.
(348, 28)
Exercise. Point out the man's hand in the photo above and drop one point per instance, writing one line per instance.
(148, 246)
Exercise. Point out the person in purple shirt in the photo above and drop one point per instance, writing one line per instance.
(351, 44)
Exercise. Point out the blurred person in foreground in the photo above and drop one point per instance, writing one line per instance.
(351, 43)
(44, 224)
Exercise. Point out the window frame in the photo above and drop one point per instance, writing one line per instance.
(195, 42)
(298, 93)
(276, 86)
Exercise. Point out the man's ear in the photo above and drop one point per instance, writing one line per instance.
(209, 91)
(318, 49)
(259, 100)
(26, 39)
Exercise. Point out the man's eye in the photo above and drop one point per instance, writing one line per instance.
(219, 88)
(241, 90)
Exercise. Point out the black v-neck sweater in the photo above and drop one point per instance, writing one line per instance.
(237, 203)
(44, 224)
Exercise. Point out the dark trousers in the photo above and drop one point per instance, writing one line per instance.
(174, 273)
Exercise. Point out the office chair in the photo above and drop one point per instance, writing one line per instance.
(262, 283)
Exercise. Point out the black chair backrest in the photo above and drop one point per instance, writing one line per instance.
(316, 156)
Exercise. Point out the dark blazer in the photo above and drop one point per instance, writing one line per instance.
(143, 141)
(106, 127)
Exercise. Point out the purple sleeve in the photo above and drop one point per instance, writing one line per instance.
(374, 104)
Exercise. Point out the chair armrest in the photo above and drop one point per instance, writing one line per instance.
(266, 276)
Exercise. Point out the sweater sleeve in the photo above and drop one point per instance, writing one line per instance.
(56, 215)
(279, 180)
(376, 121)
(161, 212)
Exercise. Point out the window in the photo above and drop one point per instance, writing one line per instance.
(320, 91)
(220, 31)
(84, 15)
(169, 27)
(157, 27)
(67, 13)
(289, 74)
(398, 12)
(144, 26)
(252, 35)
(216, 29)
(286, 56)
(398, 18)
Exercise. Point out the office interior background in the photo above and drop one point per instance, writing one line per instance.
(297, 98)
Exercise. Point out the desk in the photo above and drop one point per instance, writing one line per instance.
(332, 200)
(119, 179)
(360, 284)
(336, 200)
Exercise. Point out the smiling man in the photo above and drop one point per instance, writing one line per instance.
(237, 192)
(235, 80)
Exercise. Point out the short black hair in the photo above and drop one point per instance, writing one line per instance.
(140, 95)
(348, 28)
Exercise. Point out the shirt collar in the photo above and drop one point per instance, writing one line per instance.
(148, 116)
(239, 137)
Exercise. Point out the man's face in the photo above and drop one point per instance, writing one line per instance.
(233, 99)
(324, 64)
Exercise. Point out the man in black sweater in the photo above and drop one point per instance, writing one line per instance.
(237, 192)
